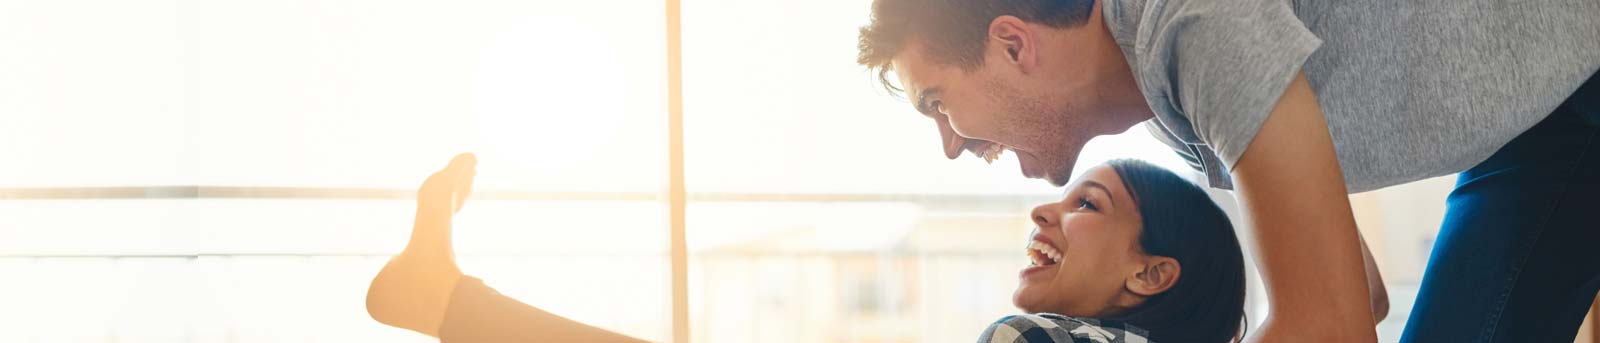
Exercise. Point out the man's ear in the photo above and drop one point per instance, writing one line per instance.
(1013, 40)
(1159, 274)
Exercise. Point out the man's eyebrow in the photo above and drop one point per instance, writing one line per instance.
(1102, 187)
(922, 100)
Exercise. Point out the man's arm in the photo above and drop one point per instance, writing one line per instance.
(1293, 194)
(1379, 293)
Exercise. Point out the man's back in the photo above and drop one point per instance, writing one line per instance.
(1410, 89)
(1427, 88)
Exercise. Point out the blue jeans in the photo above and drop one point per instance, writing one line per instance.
(1518, 257)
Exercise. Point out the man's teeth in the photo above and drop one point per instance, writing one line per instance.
(1046, 250)
(992, 152)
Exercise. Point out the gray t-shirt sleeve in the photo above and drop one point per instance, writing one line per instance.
(1219, 66)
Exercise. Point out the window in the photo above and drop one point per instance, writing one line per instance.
(237, 171)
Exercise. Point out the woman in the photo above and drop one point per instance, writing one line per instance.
(1132, 253)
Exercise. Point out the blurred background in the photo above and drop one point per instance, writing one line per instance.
(237, 171)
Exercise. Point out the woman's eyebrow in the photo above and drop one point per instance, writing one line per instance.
(1103, 189)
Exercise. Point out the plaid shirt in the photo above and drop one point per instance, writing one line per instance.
(1048, 328)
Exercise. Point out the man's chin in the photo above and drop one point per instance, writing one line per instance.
(1037, 169)
(1054, 181)
(1059, 178)
(1053, 173)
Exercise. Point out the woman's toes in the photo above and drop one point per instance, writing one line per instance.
(465, 169)
(449, 187)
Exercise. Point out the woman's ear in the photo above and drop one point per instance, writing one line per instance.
(1160, 273)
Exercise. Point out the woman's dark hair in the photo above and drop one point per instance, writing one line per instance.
(1180, 221)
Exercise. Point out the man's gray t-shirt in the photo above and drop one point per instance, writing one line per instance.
(1409, 89)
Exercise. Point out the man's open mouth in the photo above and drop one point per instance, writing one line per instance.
(988, 151)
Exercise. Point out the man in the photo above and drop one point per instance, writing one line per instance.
(1294, 104)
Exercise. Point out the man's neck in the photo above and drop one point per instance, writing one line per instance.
(1126, 103)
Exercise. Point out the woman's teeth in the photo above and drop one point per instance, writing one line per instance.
(1043, 254)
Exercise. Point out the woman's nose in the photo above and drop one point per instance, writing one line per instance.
(1044, 215)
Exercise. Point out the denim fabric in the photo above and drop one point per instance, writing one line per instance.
(1518, 256)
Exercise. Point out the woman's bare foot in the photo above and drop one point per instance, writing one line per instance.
(413, 289)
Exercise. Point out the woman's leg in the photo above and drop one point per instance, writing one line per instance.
(1518, 257)
(413, 289)
(478, 313)
(423, 290)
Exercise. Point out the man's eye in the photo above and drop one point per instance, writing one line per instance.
(1083, 203)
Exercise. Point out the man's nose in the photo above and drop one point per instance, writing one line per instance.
(952, 141)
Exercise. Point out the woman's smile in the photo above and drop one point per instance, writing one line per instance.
(1043, 254)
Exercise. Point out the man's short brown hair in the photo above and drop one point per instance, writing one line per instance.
(952, 31)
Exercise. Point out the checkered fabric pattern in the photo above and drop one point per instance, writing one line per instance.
(1047, 328)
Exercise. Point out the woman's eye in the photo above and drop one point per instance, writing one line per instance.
(1083, 203)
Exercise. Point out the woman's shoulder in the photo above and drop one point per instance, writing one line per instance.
(1049, 327)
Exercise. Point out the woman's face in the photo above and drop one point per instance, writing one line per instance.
(1085, 247)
